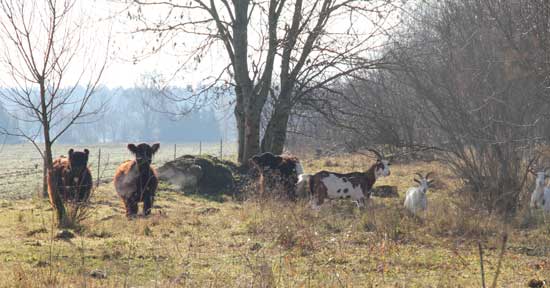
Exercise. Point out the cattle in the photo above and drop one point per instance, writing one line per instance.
(277, 172)
(71, 177)
(136, 180)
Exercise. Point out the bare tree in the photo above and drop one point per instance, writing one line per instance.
(51, 82)
(276, 49)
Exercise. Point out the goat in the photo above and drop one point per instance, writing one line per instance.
(538, 195)
(355, 185)
(415, 199)
(136, 181)
(302, 186)
(71, 177)
(546, 200)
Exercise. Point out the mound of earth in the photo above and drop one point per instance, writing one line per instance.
(385, 191)
(203, 175)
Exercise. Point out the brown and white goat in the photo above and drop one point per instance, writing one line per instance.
(356, 185)
(136, 180)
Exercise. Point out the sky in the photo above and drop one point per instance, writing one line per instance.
(108, 30)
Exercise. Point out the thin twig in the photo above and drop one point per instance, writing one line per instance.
(500, 257)
(481, 264)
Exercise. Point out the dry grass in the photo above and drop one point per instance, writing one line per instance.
(193, 242)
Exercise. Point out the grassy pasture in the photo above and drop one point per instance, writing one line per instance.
(190, 241)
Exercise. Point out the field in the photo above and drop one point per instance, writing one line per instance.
(191, 241)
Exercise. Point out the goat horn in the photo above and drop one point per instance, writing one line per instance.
(429, 174)
(419, 175)
(378, 154)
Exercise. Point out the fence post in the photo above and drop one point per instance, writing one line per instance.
(175, 149)
(200, 148)
(98, 168)
(221, 148)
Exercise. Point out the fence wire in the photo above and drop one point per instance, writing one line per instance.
(21, 171)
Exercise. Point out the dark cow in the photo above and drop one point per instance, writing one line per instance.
(71, 177)
(136, 181)
(277, 171)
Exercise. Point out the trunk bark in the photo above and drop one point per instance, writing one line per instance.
(275, 133)
(239, 118)
(252, 133)
(55, 199)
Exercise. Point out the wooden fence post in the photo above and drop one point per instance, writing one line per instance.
(98, 168)
(221, 148)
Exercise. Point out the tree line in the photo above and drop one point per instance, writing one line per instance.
(127, 117)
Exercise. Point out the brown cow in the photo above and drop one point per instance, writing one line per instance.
(71, 177)
(276, 172)
(136, 181)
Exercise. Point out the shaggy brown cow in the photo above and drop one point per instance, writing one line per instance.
(136, 181)
(71, 176)
(277, 171)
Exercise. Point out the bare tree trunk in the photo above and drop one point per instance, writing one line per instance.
(239, 118)
(275, 134)
(55, 198)
(48, 161)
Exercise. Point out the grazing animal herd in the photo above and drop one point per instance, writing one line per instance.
(136, 181)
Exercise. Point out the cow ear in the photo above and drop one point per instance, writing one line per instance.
(132, 148)
(155, 147)
(278, 160)
(71, 151)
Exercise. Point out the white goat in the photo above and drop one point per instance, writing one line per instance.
(303, 181)
(546, 199)
(537, 197)
(302, 186)
(416, 200)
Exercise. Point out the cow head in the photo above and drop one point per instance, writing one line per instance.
(266, 160)
(78, 162)
(144, 152)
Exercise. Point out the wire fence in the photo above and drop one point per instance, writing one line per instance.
(21, 170)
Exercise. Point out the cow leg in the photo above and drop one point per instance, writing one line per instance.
(147, 204)
(131, 207)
